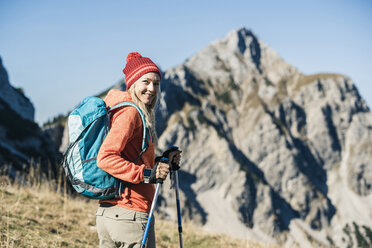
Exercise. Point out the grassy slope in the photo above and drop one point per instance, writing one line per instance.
(37, 216)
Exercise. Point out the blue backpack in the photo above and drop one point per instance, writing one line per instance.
(88, 126)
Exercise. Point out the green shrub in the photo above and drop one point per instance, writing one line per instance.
(224, 97)
(368, 233)
(361, 241)
(191, 123)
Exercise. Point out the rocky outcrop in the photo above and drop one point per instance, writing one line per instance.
(357, 157)
(15, 98)
(261, 141)
(22, 142)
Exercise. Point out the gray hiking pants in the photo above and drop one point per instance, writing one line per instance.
(121, 227)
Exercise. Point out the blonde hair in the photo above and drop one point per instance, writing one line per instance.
(147, 110)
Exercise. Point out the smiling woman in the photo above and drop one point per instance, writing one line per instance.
(121, 221)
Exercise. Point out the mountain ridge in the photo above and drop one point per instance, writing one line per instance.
(22, 143)
(262, 95)
(15, 98)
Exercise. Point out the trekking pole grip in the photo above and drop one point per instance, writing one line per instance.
(166, 154)
(163, 160)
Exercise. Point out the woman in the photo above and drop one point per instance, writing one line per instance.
(121, 222)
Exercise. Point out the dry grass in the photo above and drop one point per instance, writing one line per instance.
(37, 216)
(195, 237)
(307, 79)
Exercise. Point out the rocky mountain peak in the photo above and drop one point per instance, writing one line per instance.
(15, 98)
(261, 142)
(238, 54)
(22, 142)
(245, 41)
(3, 73)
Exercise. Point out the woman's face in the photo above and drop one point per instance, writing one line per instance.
(147, 87)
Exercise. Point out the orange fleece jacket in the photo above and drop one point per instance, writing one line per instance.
(120, 148)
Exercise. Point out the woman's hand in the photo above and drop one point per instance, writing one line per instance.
(162, 170)
(175, 159)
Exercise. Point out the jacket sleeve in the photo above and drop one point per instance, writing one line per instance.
(109, 159)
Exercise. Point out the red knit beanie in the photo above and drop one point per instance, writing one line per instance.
(137, 66)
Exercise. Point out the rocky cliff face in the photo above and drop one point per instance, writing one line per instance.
(269, 153)
(22, 142)
(15, 98)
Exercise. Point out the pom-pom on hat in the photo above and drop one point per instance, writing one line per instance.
(137, 66)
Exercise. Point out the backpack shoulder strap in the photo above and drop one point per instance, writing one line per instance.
(145, 134)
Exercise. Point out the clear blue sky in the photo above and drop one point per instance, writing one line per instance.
(61, 51)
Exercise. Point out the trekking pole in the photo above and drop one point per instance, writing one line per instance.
(175, 178)
(159, 182)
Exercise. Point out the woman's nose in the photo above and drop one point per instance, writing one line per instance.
(151, 87)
